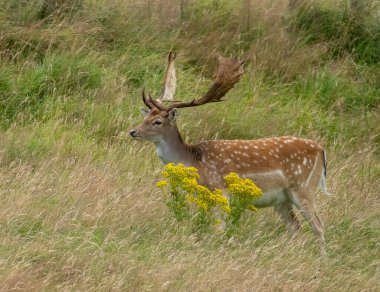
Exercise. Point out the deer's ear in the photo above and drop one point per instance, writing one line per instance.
(173, 114)
(144, 111)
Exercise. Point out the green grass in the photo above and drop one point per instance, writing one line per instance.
(357, 33)
(80, 210)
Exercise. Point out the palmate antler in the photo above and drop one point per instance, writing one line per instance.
(229, 73)
(170, 81)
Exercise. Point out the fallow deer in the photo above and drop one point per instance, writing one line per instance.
(288, 169)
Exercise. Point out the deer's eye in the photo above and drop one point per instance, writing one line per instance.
(158, 122)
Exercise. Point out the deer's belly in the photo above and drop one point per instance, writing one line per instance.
(271, 198)
(272, 184)
(269, 181)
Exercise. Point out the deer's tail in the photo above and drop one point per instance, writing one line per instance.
(322, 181)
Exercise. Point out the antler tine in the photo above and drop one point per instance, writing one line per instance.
(229, 73)
(145, 101)
(157, 104)
(151, 103)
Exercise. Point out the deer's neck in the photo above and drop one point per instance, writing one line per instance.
(172, 148)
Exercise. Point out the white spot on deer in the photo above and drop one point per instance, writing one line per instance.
(312, 171)
(299, 169)
(304, 161)
(264, 157)
(255, 147)
(238, 166)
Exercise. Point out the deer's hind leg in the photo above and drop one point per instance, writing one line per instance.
(287, 214)
(303, 200)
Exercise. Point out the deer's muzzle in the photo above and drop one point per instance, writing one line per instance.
(133, 133)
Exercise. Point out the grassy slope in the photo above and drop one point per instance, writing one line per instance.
(79, 205)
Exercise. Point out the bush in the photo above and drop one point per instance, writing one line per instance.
(357, 34)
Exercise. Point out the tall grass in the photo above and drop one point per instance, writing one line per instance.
(80, 210)
(353, 31)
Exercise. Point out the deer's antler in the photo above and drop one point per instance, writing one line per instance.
(170, 81)
(151, 103)
(229, 73)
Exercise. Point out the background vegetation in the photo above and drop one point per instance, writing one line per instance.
(80, 209)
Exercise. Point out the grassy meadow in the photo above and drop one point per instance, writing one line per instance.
(80, 209)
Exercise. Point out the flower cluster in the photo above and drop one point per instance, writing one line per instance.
(183, 178)
(242, 188)
(185, 192)
(205, 198)
(176, 173)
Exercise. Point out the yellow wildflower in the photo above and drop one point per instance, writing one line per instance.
(162, 183)
(185, 191)
(244, 188)
(182, 178)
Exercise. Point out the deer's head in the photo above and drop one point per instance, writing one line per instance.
(159, 118)
(155, 124)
